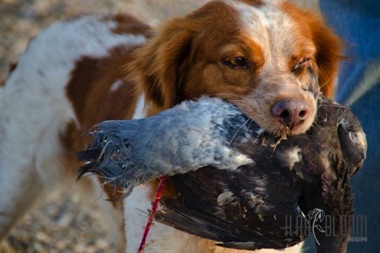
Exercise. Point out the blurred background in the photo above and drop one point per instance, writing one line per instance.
(61, 225)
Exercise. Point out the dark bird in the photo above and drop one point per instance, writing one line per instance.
(235, 183)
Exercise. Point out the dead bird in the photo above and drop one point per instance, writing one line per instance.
(235, 183)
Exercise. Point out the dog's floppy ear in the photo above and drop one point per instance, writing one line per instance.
(328, 55)
(156, 64)
(328, 45)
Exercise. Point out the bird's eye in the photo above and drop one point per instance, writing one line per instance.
(236, 62)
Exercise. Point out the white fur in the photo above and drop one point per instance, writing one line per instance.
(273, 27)
(136, 208)
(161, 238)
(116, 85)
(140, 108)
(137, 204)
(34, 110)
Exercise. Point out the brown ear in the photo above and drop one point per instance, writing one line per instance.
(328, 55)
(328, 46)
(156, 65)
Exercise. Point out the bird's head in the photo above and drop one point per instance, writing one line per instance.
(328, 204)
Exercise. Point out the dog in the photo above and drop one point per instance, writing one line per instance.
(269, 58)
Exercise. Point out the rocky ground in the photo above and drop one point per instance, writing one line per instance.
(58, 226)
(61, 225)
(20, 20)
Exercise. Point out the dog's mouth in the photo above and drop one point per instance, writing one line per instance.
(280, 112)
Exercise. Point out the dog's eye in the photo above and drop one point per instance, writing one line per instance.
(236, 62)
(303, 63)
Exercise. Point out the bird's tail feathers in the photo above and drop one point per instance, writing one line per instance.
(109, 155)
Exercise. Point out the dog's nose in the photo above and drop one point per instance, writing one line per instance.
(291, 112)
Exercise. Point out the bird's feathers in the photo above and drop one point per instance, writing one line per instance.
(235, 183)
(185, 138)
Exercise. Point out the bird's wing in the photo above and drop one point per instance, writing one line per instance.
(207, 226)
(235, 212)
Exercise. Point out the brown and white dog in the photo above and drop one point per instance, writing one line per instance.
(267, 57)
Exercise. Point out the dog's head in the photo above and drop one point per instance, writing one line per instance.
(267, 57)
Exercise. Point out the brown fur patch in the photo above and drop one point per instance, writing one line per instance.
(256, 3)
(98, 92)
(127, 24)
(328, 45)
(90, 92)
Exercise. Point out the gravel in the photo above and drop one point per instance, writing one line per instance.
(60, 225)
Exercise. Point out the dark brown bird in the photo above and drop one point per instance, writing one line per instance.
(235, 183)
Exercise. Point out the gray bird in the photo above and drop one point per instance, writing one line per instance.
(236, 184)
(192, 135)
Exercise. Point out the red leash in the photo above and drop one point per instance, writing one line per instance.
(149, 223)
